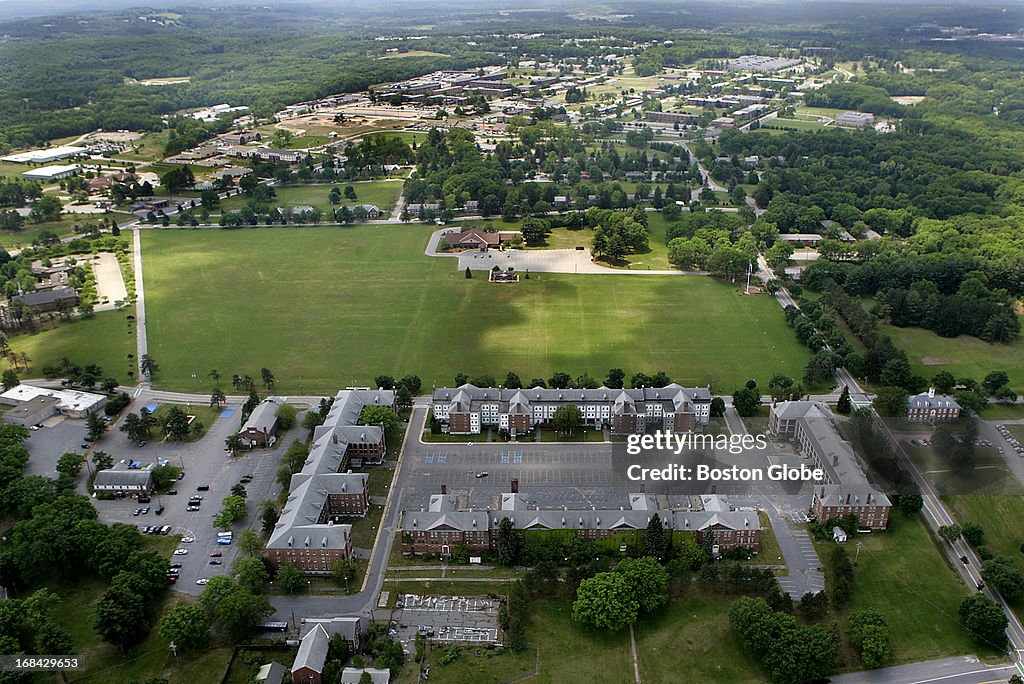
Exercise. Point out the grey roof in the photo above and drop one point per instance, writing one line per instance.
(299, 523)
(47, 296)
(345, 626)
(312, 650)
(263, 416)
(120, 475)
(463, 398)
(351, 675)
(272, 673)
(929, 400)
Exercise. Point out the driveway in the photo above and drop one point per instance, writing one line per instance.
(110, 287)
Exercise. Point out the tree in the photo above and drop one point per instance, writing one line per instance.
(870, 636)
(10, 379)
(250, 573)
(102, 460)
(984, 619)
(233, 608)
(268, 378)
(973, 533)
(615, 378)
(717, 409)
(508, 543)
(1005, 575)
(343, 570)
(70, 464)
(380, 415)
(950, 533)
(290, 578)
(567, 419)
(656, 540)
(233, 444)
(148, 366)
(249, 543)
(648, 579)
(175, 424)
(233, 509)
(95, 426)
(187, 625)
(890, 402)
(746, 401)
(804, 654)
(944, 382)
(844, 405)
(469, 273)
(120, 615)
(217, 398)
(606, 601)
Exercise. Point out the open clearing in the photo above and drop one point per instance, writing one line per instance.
(962, 356)
(384, 194)
(328, 307)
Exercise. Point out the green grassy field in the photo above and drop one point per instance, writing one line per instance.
(961, 356)
(106, 338)
(902, 575)
(692, 635)
(382, 193)
(328, 307)
(31, 231)
(989, 475)
(992, 512)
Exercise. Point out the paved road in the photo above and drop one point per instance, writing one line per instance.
(141, 340)
(961, 670)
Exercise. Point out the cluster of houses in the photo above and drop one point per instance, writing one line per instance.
(469, 410)
(309, 533)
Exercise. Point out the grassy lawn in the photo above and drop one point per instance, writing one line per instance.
(992, 512)
(902, 575)
(1017, 431)
(203, 413)
(31, 231)
(989, 475)
(579, 436)
(692, 635)
(372, 287)
(770, 552)
(149, 147)
(106, 339)
(382, 193)
(962, 356)
(1004, 412)
(413, 53)
(151, 658)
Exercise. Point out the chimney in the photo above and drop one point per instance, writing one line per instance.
(847, 499)
(835, 460)
(515, 486)
(643, 487)
(444, 489)
(869, 499)
(334, 438)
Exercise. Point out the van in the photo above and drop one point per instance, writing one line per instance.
(224, 534)
(203, 488)
(144, 498)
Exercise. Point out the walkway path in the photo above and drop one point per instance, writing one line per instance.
(142, 342)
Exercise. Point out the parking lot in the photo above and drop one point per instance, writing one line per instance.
(205, 463)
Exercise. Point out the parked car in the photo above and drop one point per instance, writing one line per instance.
(202, 580)
(224, 541)
(188, 540)
(180, 552)
(216, 561)
(216, 554)
(482, 473)
(181, 475)
(159, 510)
(203, 488)
(145, 510)
(192, 507)
(172, 492)
(140, 444)
(137, 511)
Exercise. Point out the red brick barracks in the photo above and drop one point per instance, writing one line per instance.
(443, 525)
(309, 533)
(468, 410)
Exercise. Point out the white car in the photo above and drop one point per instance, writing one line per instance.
(202, 580)
(187, 540)
(180, 552)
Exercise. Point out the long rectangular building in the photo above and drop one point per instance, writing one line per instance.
(846, 490)
(468, 410)
(443, 525)
(309, 533)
